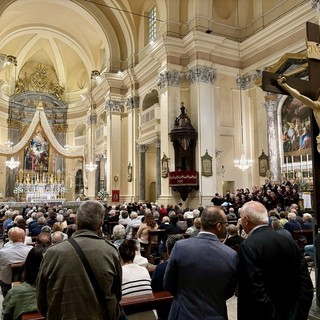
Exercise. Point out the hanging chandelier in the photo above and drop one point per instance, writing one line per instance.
(12, 163)
(92, 166)
(242, 81)
(243, 163)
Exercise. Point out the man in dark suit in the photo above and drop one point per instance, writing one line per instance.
(274, 282)
(202, 272)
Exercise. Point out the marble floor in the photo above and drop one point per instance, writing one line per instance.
(232, 305)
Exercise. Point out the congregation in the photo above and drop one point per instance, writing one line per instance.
(128, 262)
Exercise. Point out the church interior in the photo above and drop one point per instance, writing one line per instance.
(159, 101)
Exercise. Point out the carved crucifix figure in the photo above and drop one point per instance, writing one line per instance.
(307, 91)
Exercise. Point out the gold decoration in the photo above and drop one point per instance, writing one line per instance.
(42, 78)
(14, 124)
(62, 127)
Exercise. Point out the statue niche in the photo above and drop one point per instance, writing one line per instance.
(184, 139)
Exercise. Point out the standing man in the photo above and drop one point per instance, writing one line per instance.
(274, 282)
(64, 289)
(202, 272)
(13, 252)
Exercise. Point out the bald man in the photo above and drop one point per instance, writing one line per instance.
(274, 282)
(14, 252)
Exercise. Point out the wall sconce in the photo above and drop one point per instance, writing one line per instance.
(129, 172)
(222, 171)
(165, 166)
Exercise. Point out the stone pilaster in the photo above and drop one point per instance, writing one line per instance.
(271, 106)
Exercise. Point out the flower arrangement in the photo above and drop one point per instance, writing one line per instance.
(64, 189)
(103, 193)
(18, 189)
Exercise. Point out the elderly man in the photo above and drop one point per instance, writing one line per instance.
(14, 252)
(64, 288)
(274, 282)
(202, 272)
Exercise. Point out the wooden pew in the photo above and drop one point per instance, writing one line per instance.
(152, 248)
(303, 237)
(158, 300)
(17, 271)
(32, 316)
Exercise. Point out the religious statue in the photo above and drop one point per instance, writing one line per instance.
(314, 105)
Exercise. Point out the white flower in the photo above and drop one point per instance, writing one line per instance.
(103, 193)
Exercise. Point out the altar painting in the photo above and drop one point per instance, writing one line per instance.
(296, 136)
(36, 154)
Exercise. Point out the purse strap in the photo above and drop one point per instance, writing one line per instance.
(90, 273)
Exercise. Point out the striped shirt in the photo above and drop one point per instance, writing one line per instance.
(135, 280)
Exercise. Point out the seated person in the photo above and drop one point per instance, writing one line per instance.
(57, 237)
(22, 298)
(277, 226)
(233, 239)
(148, 224)
(307, 221)
(134, 223)
(158, 274)
(35, 228)
(119, 234)
(195, 228)
(292, 223)
(124, 218)
(138, 258)
(182, 223)
(135, 279)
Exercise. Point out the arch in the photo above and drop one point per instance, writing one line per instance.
(80, 130)
(150, 99)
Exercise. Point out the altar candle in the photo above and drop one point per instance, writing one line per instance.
(287, 165)
(301, 163)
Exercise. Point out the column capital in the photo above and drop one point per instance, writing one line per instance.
(169, 78)
(271, 102)
(201, 74)
(157, 142)
(132, 102)
(112, 105)
(142, 148)
(243, 81)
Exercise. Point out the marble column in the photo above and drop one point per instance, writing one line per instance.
(142, 186)
(157, 143)
(105, 171)
(98, 174)
(271, 105)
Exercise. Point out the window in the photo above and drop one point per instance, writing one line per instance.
(152, 24)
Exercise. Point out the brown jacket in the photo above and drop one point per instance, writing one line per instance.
(64, 290)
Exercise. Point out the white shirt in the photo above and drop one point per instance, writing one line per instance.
(135, 280)
(11, 253)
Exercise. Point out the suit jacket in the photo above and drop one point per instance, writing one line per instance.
(274, 282)
(201, 275)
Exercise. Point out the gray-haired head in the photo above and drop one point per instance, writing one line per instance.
(172, 239)
(90, 215)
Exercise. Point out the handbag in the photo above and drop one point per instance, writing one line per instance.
(94, 282)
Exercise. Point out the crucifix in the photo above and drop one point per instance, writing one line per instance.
(307, 91)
